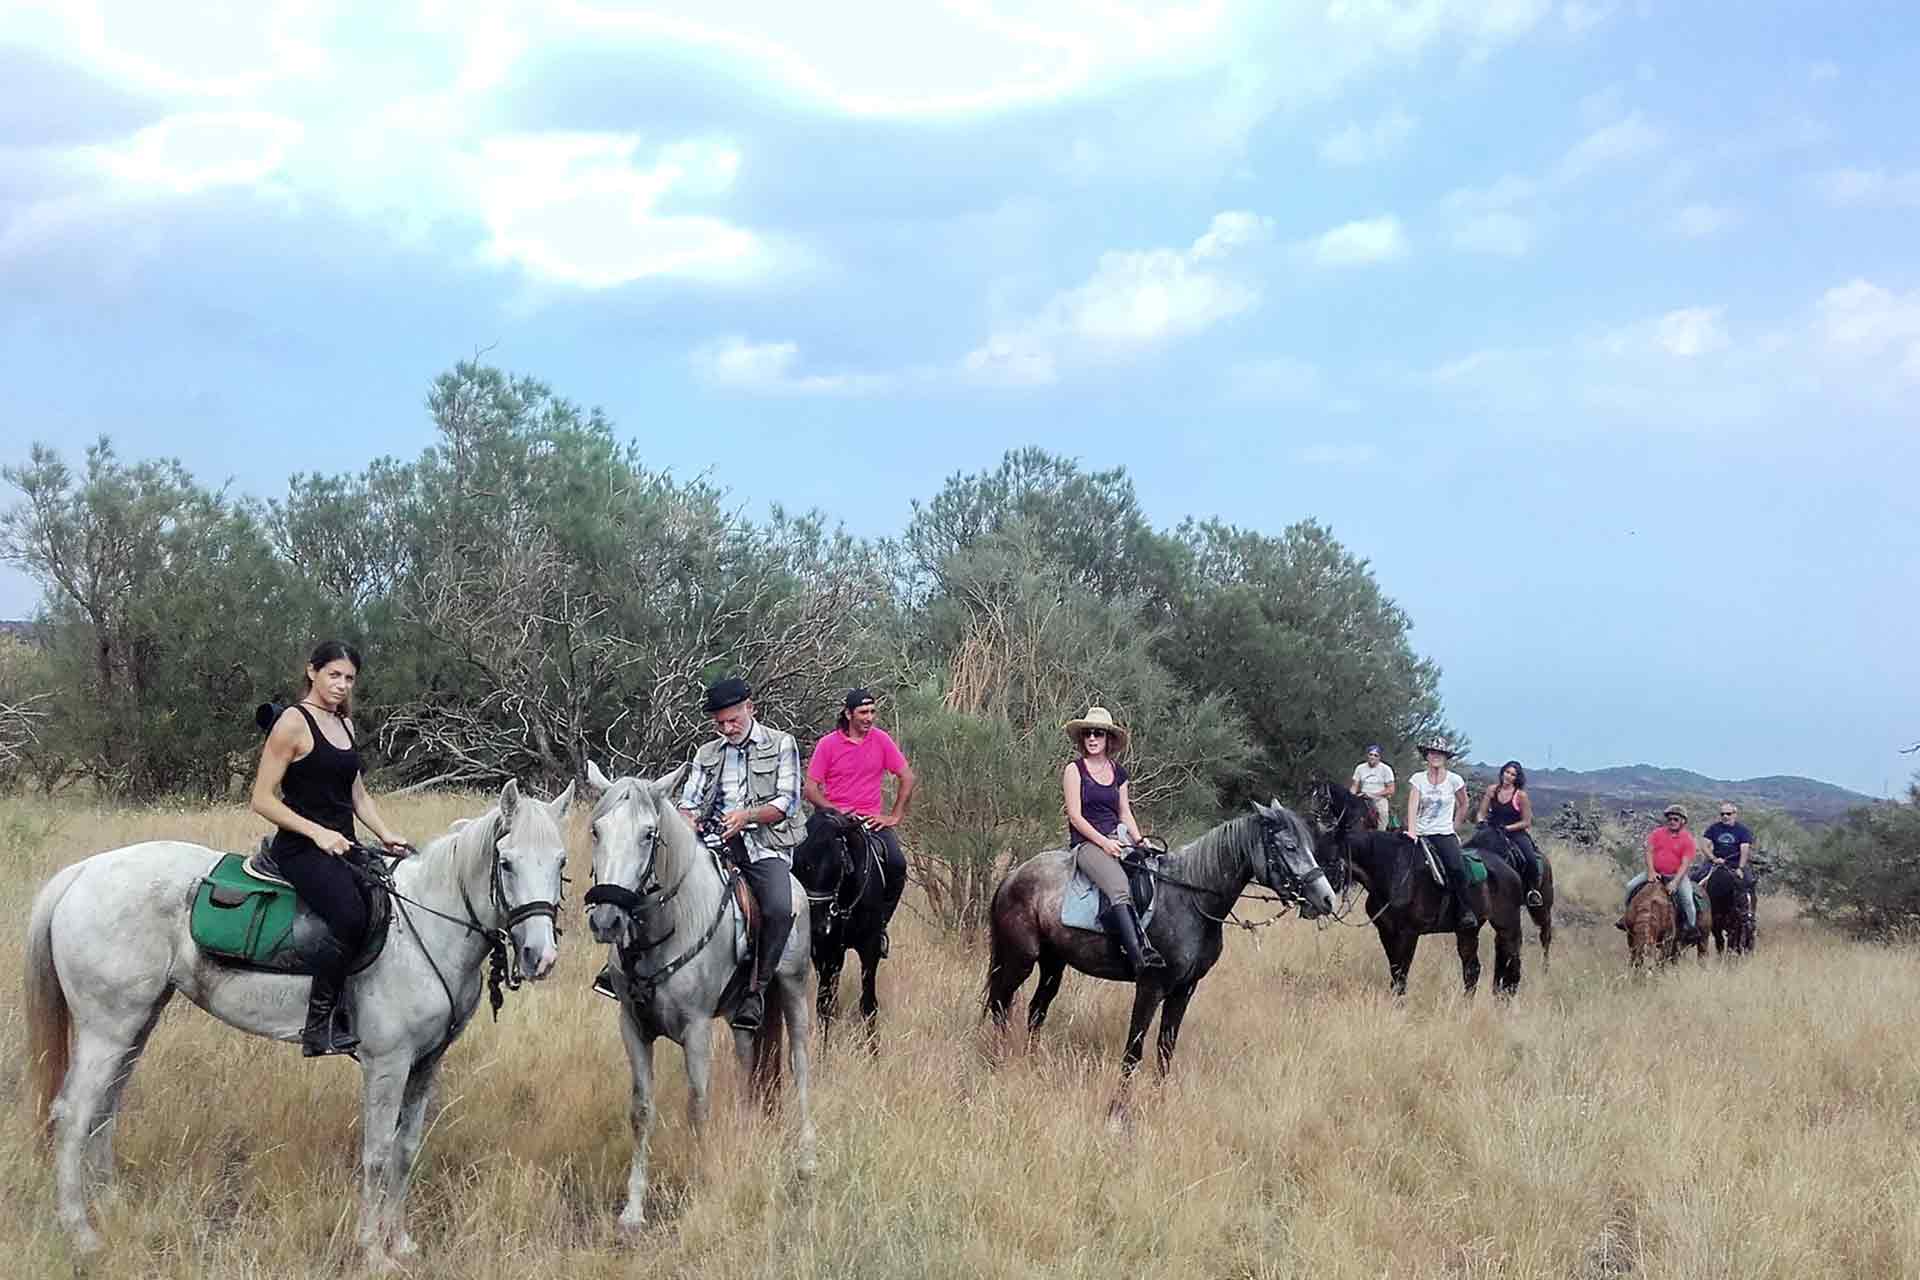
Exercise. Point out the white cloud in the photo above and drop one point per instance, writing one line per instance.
(1683, 334)
(1362, 243)
(1134, 299)
(1358, 145)
(1608, 145)
(1861, 319)
(1502, 219)
(1823, 71)
(769, 368)
(1870, 188)
(193, 151)
(1701, 221)
(577, 209)
(1580, 17)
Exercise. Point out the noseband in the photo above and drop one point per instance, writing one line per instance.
(1287, 884)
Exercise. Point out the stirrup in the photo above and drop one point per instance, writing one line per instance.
(886, 947)
(1534, 899)
(749, 1013)
(603, 984)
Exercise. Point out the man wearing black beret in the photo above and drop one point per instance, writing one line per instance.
(751, 774)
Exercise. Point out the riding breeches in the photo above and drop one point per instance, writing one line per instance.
(1108, 876)
(1682, 890)
(771, 880)
(328, 886)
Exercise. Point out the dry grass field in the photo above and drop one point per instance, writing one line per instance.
(1751, 1121)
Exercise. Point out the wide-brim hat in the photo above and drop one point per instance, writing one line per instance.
(1099, 718)
(1672, 809)
(1443, 745)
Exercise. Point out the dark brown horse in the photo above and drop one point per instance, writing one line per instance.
(1732, 909)
(1403, 901)
(1198, 885)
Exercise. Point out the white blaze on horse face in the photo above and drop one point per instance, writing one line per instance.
(533, 857)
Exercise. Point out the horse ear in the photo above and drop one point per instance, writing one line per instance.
(559, 805)
(597, 782)
(669, 784)
(509, 801)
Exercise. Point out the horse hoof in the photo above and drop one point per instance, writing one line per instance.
(807, 1163)
(404, 1247)
(86, 1240)
(631, 1222)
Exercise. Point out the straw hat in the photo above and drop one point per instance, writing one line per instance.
(1099, 718)
(1436, 743)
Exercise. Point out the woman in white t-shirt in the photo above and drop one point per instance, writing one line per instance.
(1436, 802)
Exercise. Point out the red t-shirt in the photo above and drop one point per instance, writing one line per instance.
(1669, 848)
(850, 772)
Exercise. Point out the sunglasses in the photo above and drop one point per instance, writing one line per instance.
(1726, 813)
(1093, 733)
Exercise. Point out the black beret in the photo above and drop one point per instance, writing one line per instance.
(730, 692)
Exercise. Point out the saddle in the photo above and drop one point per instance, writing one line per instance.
(1475, 864)
(246, 916)
(1082, 906)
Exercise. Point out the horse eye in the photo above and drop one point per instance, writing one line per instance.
(506, 866)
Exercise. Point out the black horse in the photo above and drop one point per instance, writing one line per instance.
(1726, 894)
(1403, 901)
(841, 866)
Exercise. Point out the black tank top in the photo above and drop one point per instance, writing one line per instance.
(319, 785)
(1099, 802)
(1503, 814)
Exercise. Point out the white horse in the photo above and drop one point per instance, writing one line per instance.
(108, 945)
(678, 917)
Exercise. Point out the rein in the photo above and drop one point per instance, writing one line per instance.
(638, 904)
(1343, 841)
(1288, 894)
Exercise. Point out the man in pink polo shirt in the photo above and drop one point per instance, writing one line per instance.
(847, 773)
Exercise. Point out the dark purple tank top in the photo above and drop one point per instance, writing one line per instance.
(1099, 803)
(319, 785)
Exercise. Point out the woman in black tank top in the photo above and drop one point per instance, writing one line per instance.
(1505, 805)
(309, 786)
(1100, 824)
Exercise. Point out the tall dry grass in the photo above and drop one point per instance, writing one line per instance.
(1751, 1121)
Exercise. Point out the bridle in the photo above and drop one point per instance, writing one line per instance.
(1288, 887)
(503, 964)
(649, 896)
(838, 905)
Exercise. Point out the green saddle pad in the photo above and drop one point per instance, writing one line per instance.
(1476, 868)
(244, 920)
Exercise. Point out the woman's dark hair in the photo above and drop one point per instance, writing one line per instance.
(1519, 774)
(332, 651)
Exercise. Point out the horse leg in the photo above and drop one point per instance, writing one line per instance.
(870, 993)
(828, 963)
(99, 1157)
(1399, 946)
(1146, 999)
(1468, 942)
(793, 995)
(1052, 969)
(1007, 969)
(1506, 959)
(382, 1089)
(408, 1135)
(1171, 1015)
(80, 1113)
(633, 1214)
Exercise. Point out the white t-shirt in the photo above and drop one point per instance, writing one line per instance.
(1433, 816)
(1373, 779)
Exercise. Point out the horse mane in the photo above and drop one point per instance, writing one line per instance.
(1218, 855)
(446, 860)
(678, 855)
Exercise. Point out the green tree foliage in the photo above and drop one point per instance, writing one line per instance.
(166, 608)
(1864, 871)
(1297, 633)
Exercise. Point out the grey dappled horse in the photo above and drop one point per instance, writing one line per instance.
(676, 920)
(108, 945)
(1198, 885)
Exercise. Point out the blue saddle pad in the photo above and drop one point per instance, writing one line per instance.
(1081, 904)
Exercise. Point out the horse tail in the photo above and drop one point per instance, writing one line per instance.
(49, 1020)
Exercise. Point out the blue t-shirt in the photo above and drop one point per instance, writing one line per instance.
(1727, 839)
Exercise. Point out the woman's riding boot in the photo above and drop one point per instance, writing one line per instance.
(329, 1025)
(1533, 882)
(1124, 923)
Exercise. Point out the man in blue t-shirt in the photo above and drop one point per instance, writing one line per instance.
(1731, 844)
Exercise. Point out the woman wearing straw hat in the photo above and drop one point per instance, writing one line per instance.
(1436, 802)
(1100, 824)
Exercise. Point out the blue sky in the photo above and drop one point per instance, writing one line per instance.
(1594, 326)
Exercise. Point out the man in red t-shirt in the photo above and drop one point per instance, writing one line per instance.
(848, 771)
(1670, 851)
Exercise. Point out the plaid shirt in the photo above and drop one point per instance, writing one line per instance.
(704, 795)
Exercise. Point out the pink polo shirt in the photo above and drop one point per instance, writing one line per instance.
(1669, 848)
(850, 772)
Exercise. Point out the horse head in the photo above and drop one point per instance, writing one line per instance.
(824, 862)
(529, 871)
(1285, 861)
(626, 828)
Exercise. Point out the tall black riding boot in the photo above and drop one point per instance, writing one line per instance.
(1466, 917)
(1124, 923)
(768, 948)
(329, 1022)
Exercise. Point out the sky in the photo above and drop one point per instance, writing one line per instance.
(1594, 327)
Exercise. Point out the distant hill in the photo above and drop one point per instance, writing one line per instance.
(1645, 786)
